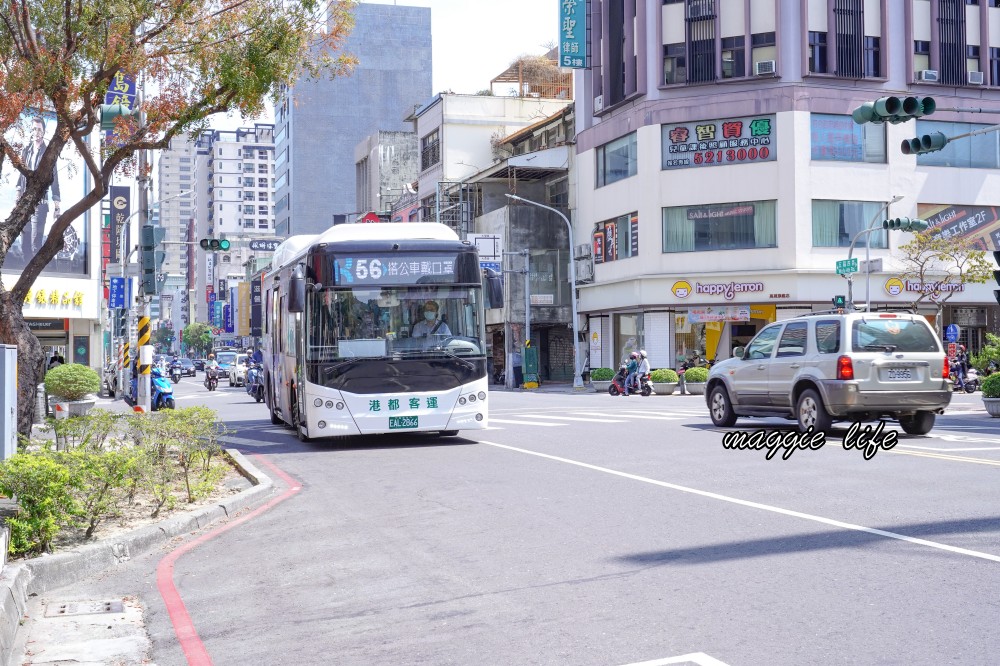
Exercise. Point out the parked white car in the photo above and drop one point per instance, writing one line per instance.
(821, 368)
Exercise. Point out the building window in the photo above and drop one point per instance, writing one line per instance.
(280, 159)
(617, 238)
(972, 58)
(674, 64)
(617, 160)
(247, 168)
(975, 152)
(262, 196)
(950, 28)
(248, 210)
(262, 223)
(262, 154)
(262, 210)
(248, 223)
(817, 52)
(427, 209)
(733, 58)
(263, 168)
(248, 182)
(763, 47)
(248, 196)
(629, 334)
(726, 226)
(262, 182)
(921, 55)
(557, 193)
(835, 223)
(873, 60)
(839, 138)
(248, 153)
(701, 40)
(995, 65)
(430, 150)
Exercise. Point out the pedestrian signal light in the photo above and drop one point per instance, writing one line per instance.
(840, 302)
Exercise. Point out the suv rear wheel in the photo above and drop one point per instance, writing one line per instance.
(917, 424)
(721, 408)
(811, 412)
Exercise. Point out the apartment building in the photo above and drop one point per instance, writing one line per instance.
(721, 176)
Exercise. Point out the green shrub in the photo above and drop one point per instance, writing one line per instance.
(989, 352)
(601, 374)
(991, 386)
(42, 486)
(663, 376)
(695, 375)
(98, 482)
(71, 381)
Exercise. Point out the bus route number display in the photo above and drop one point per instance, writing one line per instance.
(423, 269)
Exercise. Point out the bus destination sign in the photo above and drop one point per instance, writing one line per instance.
(390, 270)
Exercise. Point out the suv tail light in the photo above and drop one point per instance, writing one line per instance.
(845, 369)
(946, 372)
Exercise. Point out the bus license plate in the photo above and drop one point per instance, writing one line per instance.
(400, 422)
(902, 374)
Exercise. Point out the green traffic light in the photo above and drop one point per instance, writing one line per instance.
(224, 244)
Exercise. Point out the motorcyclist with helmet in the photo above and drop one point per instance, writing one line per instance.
(630, 370)
(642, 370)
(961, 367)
(211, 368)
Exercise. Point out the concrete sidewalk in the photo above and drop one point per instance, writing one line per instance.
(36, 630)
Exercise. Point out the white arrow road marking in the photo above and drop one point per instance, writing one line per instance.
(699, 658)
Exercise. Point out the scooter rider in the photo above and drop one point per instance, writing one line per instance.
(211, 367)
(630, 370)
(642, 370)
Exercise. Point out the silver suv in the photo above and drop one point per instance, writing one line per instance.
(820, 368)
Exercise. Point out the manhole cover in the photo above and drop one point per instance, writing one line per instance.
(84, 608)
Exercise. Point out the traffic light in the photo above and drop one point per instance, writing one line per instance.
(215, 244)
(905, 224)
(926, 143)
(894, 110)
(840, 302)
(996, 277)
(111, 111)
(121, 322)
(151, 258)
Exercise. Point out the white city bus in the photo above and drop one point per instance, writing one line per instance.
(348, 348)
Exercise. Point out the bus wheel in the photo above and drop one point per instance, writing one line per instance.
(448, 433)
(275, 420)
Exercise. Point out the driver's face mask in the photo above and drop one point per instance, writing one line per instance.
(430, 315)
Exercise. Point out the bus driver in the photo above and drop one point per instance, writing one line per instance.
(431, 324)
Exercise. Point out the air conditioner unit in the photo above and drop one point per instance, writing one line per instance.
(976, 78)
(582, 251)
(764, 67)
(598, 103)
(927, 75)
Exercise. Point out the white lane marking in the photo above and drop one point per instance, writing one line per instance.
(655, 417)
(757, 505)
(534, 423)
(934, 448)
(567, 418)
(699, 658)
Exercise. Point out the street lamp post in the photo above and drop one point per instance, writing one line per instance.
(868, 245)
(577, 378)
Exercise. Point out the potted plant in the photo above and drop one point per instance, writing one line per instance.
(71, 385)
(664, 381)
(694, 380)
(600, 378)
(991, 394)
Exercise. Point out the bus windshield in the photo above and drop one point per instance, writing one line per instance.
(393, 322)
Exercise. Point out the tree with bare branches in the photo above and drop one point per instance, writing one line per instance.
(942, 266)
(196, 58)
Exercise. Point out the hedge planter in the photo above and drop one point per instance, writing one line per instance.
(600, 387)
(697, 388)
(664, 388)
(992, 406)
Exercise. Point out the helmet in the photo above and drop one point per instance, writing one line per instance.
(211, 356)
(642, 353)
(633, 355)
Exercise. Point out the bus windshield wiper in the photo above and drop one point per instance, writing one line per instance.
(432, 350)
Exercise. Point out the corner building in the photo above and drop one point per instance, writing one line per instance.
(721, 176)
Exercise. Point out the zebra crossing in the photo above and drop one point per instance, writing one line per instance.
(555, 420)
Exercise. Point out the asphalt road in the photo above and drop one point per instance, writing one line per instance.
(585, 529)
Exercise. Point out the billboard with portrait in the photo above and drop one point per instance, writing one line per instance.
(67, 188)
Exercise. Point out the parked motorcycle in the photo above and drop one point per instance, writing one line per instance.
(161, 392)
(255, 381)
(211, 378)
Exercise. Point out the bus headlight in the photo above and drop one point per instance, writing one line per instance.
(322, 424)
(479, 417)
(482, 395)
(461, 401)
(472, 397)
(340, 405)
(318, 402)
(329, 404)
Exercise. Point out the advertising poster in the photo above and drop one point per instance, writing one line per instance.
(243, 326)
(746, 140)
(599, 247)
(67, 188)
(981, 223)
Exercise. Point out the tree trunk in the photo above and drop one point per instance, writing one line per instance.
(30, 359)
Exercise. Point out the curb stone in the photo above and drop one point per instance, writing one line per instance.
(40, 574)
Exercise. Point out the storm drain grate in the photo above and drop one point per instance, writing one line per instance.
(84, 608)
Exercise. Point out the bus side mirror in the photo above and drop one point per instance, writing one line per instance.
(297, 292)
(494, 288)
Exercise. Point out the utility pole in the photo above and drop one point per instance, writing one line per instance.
(145, 349)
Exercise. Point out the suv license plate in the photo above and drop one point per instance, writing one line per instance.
(899, 374)
(399, 422)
